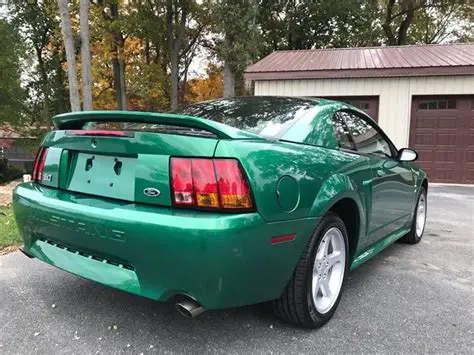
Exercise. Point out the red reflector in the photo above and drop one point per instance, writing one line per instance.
(283, 238)
(182, 181)
(98, 132)
(233, 188)
(205, 184)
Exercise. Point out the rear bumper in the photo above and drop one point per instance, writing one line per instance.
(220, 260)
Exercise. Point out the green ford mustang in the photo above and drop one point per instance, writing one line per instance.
(225, 203)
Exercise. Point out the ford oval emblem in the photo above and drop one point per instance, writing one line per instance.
(152, 192)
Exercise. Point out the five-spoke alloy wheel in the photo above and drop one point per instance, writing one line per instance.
(313, 294)
(419, 220)
(328, 270)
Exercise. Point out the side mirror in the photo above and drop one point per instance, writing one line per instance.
(407, 154)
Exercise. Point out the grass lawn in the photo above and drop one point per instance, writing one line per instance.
(9, 235)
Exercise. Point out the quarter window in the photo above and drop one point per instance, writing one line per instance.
(342, 132)
(366, 138)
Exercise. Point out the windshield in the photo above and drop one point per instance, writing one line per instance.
(263, 115)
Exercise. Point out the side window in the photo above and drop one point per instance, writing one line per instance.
(366, 138)
(342, 132)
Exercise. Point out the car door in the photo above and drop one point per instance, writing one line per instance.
(358, 170)
(391, 184)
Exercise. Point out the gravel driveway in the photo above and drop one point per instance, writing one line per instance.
(407, 299)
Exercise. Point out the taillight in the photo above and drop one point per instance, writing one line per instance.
(209, 183)
(39, 164)
(37, 158)
(182, 181)
(205, 184)
(233, 188)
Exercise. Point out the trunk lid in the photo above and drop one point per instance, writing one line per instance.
(126, 156)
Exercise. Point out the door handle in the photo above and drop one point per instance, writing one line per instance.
(380, 173)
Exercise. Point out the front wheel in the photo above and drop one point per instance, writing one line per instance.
(419, 220)
(313, 294)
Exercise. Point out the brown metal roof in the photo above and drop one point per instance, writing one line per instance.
(416, 60)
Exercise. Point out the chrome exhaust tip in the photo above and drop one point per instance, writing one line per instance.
(189, 308)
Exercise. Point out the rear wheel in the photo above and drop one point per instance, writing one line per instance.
(313, 294)
(419, 220)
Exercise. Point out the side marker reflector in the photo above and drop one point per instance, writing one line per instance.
(283, 238)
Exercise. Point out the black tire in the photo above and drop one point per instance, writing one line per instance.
(296, 304)
(412, 237)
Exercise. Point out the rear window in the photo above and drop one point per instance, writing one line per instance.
(266, 116)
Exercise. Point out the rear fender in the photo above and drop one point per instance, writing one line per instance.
(334, 189)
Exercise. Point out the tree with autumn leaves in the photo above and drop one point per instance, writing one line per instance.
(141, 54)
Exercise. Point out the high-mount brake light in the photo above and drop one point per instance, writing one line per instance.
(99, 133)
(210, 184)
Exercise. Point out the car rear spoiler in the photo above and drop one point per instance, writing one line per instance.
(77, 120)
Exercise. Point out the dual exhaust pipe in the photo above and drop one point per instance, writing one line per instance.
(189, 308)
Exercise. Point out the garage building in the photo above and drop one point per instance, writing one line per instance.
(422, 96)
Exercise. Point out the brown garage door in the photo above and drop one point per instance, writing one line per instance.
(369, 104)
(442, 131)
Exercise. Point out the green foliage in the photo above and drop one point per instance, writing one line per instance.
(238, 38)
(8, 172)
(9, 235)
(426, 21)
(454, 21)
(357, 24)
(318, 24)
(37, 23)
(235, 32)
(12, 95)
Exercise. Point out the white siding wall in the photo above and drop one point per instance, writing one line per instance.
(395, 95)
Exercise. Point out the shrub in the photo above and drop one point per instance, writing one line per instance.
(9, 173)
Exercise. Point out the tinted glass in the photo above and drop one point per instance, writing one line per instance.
(342, 132)
(148, 127)
(366, 138)
(262, 115)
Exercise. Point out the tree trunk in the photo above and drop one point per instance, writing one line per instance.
(116, 76)
(387, 25)
(123, 88)
(175, 26)
(183, 86)
(61, 94)
(403, 29)
(173, 53)
(70, 54)
(147, 52)
(118, 62)
(85, 56)
(229, 81)
(44, 82)
(174, 77)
